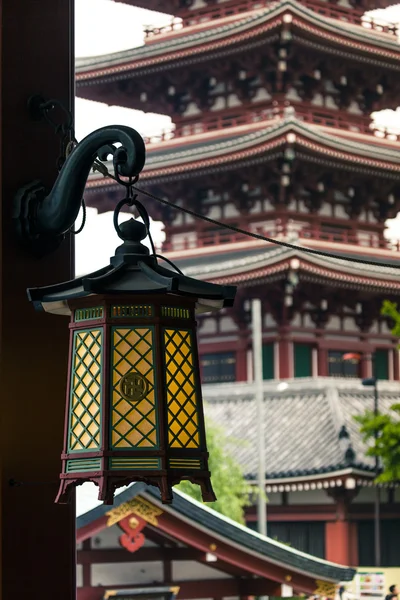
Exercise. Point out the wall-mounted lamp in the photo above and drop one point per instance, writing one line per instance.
(134, 405)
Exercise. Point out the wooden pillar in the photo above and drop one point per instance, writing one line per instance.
(241, 357)
(38, 537)
(322, 361)
(396, 366)
(339, 534)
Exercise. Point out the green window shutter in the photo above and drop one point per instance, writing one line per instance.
(302, 360)
(382, 364)
(268, 361)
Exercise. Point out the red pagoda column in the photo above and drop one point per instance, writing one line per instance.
(341, 534)
(38, 536)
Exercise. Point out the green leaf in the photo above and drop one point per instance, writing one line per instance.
(232, 490)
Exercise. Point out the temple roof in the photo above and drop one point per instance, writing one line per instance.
(184, 157)
(253, 264)
(232, 34)
(301, 424)
(174, 6)
(222, 529)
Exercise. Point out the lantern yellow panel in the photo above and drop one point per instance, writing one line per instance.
(85, 397)
(133, 388)
(183, 423)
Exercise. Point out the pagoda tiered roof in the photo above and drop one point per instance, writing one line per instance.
(253, 263)
(315, 409)
(245, 145)
(175, 7)
(226, 37)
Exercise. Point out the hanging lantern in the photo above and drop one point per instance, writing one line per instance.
(134, 405)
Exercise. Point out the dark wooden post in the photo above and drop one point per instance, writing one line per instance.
(38, 537)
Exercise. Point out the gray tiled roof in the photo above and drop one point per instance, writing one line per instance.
(301, 424)
(210, 521)
(229, 263)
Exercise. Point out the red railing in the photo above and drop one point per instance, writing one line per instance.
(327, 118)
(235, 8)
(201, 240)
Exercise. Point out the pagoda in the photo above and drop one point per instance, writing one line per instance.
(271, 107)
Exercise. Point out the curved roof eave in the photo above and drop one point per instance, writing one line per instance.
(379, 46)
(242, 538)
(169, 163)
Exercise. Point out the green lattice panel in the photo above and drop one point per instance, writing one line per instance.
(183, 423)
(133, 424)
(85, 398)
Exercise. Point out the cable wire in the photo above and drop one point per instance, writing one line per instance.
(264, 238)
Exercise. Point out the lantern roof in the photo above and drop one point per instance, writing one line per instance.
(132, 270)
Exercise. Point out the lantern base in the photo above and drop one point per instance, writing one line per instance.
(109, 483)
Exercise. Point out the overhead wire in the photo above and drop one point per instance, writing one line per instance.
(264, 238)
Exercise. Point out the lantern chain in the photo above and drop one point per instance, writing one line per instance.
(67, 145)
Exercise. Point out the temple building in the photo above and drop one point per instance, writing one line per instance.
(142, 548)
(272, 134)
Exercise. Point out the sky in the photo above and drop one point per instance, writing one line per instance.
(103, 26)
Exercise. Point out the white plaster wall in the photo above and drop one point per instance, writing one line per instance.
(366, 495)
(310, 497)
(79, 576)
(384, 327)
(326, 210)
(333, 323)
(339, 211)
(215, 212)
(191, 110)
(186, 570)
(219, 104)
(133, 573)
(227, 324)
(345, 339)
(349, 324)
(230, 210)
(274, 498)
(261, 94)
(318, 100)
(208, 326)
(296, 321)
(233, 100)
(108, 538)
(269, 321)
(198, 4)
(307, 321)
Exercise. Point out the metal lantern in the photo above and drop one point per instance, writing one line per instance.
(134, 405)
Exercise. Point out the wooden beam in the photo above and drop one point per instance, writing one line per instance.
(38, 548)
(85, 557)
(235, 556)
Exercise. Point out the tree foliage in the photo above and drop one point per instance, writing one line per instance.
(232, 490)
(387, 446)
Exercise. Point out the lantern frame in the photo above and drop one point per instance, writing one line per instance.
(166, 475)
(133, 276)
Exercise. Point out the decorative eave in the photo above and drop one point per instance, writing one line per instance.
(197, 525)
(312, 268)
(169, 6)
(329, 478)
(253, 29)
(188, 158)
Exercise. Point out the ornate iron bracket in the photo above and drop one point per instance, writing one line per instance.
(42, 218)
